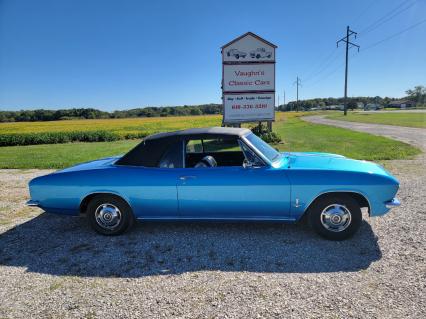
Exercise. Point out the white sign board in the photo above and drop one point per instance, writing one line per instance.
(248, 49)
(248, 77)
(249, 107)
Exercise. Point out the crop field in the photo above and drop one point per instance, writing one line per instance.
(55, 132)
(296, 135)
(397, 118)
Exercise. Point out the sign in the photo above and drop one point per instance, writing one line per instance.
(248, 107)
(248, 79)
(249, 48)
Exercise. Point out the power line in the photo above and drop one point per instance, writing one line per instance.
(326, 60)
(323, 66)
(388, 16)
(394, 35)
(353, 56)
(367, 9)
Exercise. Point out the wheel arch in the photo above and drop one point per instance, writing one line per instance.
(360, 198)
(87, 198)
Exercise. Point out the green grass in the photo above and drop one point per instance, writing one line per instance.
(397, 118)
(301, 136)
(296, 134)
(60, 155)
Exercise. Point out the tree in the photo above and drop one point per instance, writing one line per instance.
(418, 94)
(352, 105)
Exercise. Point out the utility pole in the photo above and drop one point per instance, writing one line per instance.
(278, 101)
(284, 99)
(297, 83)
(346, 39)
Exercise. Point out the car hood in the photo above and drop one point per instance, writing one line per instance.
(328, 161)
(96, 164)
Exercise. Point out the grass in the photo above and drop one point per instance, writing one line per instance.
(296, 134)
(59, 155)
(301, 136)
(397, 118)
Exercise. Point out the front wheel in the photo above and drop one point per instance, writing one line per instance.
(109, 215)
(335, 217)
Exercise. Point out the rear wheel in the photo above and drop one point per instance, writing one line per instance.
(109, 215)
(335, 217)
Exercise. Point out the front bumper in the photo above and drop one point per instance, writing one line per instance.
(32, 203)
(393, 203)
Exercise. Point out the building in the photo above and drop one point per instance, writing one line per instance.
(402, 104)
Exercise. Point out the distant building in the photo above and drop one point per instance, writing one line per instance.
(402, 104)
(336, 107)
(372, 106)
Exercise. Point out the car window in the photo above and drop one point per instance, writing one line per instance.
(268, 151)
(213, 152)
(173, 157)
(194, 146)
(220, 145)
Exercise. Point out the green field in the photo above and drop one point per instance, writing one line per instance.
(397, 118)
(297, 135)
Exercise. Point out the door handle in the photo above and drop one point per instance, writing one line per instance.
(184, 178)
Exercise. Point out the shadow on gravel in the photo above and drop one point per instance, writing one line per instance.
(58, 245)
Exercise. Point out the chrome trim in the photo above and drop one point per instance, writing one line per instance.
(393, 203)
(34, 203)
(108, 216)
(248, 219)
(336, 218)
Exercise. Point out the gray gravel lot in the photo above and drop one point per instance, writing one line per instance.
(56, 267)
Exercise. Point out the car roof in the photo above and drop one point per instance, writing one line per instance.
(202, 132)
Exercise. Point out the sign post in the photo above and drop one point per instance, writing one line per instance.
(248, 80)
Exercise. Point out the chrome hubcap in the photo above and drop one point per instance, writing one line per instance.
(108, 216)
(336, 217)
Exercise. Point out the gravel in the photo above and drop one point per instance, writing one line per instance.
(56, 267)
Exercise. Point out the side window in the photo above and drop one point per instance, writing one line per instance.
(213, 152)
(194, 146)
(220, 145)
(173, 157)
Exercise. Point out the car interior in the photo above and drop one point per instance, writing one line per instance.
(213, 153)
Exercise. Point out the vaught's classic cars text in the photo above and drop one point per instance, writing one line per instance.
(248, 80)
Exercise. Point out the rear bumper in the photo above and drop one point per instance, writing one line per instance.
(32, 203)
(393, 203)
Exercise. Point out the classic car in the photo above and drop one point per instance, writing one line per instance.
(236, 53)
(260, 53)
(221, 174)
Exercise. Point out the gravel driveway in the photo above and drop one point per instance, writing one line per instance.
(56, 267)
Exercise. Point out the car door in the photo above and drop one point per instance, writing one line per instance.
(152, 189)
(234, 192)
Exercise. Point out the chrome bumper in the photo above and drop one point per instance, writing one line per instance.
(32, 203)
(393, 203)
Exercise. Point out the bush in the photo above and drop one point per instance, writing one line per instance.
(57, 137)
(268, 137)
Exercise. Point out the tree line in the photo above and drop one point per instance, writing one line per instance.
(91, 113)
(416, 95)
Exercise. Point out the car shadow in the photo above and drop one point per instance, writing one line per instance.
(60, 246)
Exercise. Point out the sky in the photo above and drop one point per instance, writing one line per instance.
(121, 54)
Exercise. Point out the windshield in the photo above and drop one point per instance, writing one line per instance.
(268, 151)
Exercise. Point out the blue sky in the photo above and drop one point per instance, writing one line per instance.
(123, 54)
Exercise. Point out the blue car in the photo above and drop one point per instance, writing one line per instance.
(220, 174)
